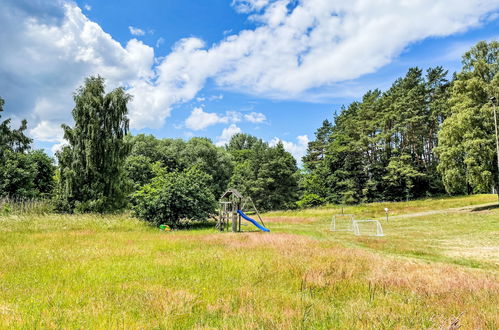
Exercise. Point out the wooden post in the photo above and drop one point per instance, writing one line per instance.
(234, 217)
(257, 213)
(239, 216)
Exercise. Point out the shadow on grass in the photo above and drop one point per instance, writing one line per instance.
(485, 208)
(196, 225)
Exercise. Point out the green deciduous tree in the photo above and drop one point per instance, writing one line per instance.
(175, 196)
(268, 175)
(179, 155)
(23, 173)
(467, 141)
(92, 165)
(13, 139)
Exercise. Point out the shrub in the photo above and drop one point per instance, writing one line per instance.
(175, 196)
(310, 200)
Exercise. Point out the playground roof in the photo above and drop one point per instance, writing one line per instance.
(230, 192)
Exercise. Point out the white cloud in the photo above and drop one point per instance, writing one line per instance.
(246, 6)
(255, 117)
(321, 42)
(298, 149)
(227, 134)
(318, 43)
(87, 7)
(50, 54)
(199, 119)
(297, 46)
(136, 31)
(47, 131)
(160, 41)
(216, 97)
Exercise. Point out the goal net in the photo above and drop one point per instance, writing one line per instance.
(342, 222)
(367, 228)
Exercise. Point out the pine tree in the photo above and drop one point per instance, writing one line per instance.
(316, 150)
(91, 166)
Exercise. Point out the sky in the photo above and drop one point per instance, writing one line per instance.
(271, 68)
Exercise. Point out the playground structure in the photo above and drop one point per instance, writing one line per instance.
(232, 204)
(346, 222)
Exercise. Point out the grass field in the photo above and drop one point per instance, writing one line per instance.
(437, 267)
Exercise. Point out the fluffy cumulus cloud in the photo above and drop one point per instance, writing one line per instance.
(311, 43)
(298, 149)
(301, 45)
(51, 48)
(296, 46)
(200, 119)
(227, 134)
(255, 117)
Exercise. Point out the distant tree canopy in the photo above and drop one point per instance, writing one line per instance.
(424, 136)
(268, 175)
(381, 148)
(23, 173)
(178, 155)
(91, 167)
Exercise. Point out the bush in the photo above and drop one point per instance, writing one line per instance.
(172, 197)
(310, 200)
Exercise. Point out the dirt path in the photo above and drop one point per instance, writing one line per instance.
(450, 210)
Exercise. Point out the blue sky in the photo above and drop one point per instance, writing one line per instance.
(272, 68)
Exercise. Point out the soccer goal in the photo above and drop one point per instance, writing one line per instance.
(342, 222)
(367, 228)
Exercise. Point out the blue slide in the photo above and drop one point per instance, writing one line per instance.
(259, 226)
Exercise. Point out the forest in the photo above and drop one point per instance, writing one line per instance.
(431, 133)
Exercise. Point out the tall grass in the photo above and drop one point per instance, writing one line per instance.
(113, 271)
(25, 206)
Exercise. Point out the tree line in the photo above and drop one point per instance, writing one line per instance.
(103, 168)
(24, 173)
(427, 135)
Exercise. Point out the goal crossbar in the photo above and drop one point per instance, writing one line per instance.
(342, 222)
(367, 228)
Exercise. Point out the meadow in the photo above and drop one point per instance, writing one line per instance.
(437, 267)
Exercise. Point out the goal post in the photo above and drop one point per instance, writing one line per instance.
(367, 228)
(342, 222)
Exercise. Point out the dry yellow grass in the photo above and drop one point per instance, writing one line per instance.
(115, 272)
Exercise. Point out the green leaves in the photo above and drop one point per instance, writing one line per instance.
(467, 138)
(268, 175)
(175, 196)
(382, 147)
(178, 155)
(23, 174)
(92, 166)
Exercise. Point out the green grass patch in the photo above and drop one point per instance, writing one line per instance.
(90, 271)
